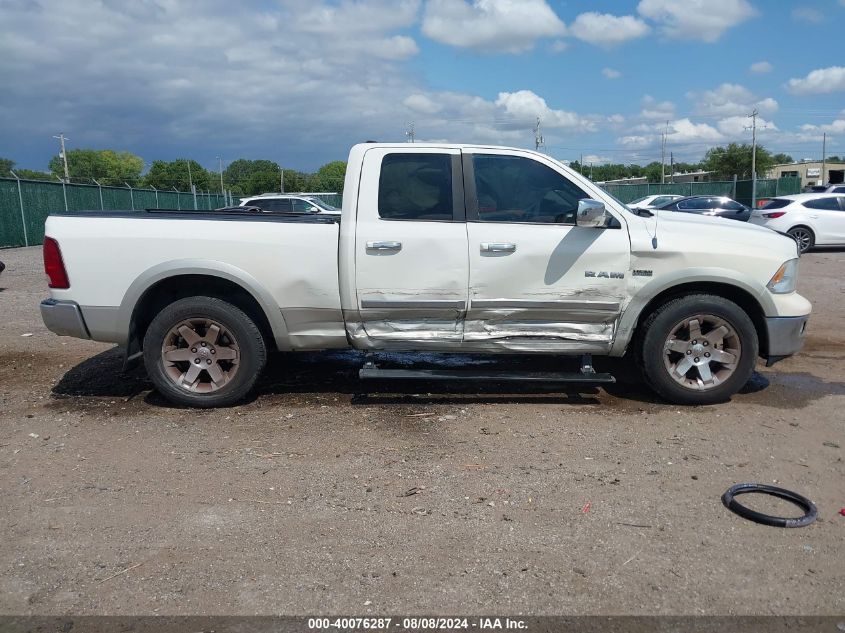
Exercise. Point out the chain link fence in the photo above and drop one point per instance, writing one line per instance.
(739, 190)
(25, 204)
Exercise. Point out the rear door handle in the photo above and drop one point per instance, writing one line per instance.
(384, 246)
(497, 247)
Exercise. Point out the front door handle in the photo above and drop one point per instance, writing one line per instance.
(384, 246)
(497, 247)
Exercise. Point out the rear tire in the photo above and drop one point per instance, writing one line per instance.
(698, 349)
(803, 236)
(204, 352)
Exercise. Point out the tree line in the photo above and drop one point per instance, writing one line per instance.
(242, 177)
(249, 177)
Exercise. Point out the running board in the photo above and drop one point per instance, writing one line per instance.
(370, 371)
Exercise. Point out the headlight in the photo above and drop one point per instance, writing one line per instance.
(784, 279)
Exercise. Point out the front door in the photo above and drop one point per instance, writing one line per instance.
(411, 249)
(538, 282)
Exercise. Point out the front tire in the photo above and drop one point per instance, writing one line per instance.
(698, 349)
(203, 352)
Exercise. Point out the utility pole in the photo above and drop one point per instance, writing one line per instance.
(591, 171)
(281, 181)
(824, 157)
(62, 140)
(672, 168)
(663, 155)
(538, 137)
(411, 133)
(190, 179)
(220, 166)
(753, 117)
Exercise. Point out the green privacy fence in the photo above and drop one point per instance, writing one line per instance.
(25, 204)
(739, 190)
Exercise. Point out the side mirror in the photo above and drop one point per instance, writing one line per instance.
(591, 214)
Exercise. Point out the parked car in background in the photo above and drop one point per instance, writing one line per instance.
(289, 203)
(812, 219)
(653, 201)
(716, 206)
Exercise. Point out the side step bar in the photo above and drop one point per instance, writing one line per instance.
(587, 375)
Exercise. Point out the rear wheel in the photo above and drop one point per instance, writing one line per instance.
(804, 237)
(203, 352)
(698, 349)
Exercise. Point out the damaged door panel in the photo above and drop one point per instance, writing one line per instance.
(410, 249)
(559, 287)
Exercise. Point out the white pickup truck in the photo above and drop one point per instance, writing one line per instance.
(439, 247)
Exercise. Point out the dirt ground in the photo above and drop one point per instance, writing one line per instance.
(326, 495)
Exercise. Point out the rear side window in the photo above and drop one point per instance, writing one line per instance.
(415, 187)
(776, 203)
(517, 189)
(271, 205)
(825, 204)
(696, 204)
(838, 190)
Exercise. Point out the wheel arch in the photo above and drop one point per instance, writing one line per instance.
(740, 295)
(171, 281)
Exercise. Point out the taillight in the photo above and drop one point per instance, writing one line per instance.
(53, 264)
(774, 215)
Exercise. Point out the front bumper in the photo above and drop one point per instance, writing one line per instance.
(64, 318)
(786, 337)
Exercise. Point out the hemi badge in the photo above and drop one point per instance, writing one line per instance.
(641, 273)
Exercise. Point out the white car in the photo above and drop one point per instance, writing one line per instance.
(812, 219)
(289, 203)
(652, 202)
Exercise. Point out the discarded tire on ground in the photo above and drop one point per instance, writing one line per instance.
(810, 511)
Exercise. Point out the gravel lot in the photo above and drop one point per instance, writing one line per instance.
(319, 496)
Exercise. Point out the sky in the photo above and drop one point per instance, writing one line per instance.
(300, 81)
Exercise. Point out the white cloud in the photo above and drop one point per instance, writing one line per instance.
(820, 81)
(603, 29)
(807, 14)
(762, 67)
(704, 20)
(510, 26)
(523, 107)
(729, 100)
(738, 126)
(659, 110)
(595, 159)
(611, 73)
(422, 104)
(836, 127)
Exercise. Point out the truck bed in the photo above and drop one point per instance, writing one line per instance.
(288, 262)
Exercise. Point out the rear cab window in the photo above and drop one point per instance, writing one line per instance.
(416, 187)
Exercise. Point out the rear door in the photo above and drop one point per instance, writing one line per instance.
(537, 282)
(411, 249)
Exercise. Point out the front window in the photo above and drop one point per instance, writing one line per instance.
(516, 189)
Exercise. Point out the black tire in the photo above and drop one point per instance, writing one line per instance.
(803, 236)
(240, 331)
(655, 354)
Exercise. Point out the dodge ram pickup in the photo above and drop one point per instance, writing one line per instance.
(439, 247)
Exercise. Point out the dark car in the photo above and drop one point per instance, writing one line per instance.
(717, 206)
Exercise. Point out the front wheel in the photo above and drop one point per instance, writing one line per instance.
(203, 352)
(698, 349)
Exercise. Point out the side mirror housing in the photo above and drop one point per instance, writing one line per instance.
(591, 214)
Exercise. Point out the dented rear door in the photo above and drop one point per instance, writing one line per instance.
(537, 281)
(411, 268)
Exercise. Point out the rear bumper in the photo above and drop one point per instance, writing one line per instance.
(786, 337)
(64, 318)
